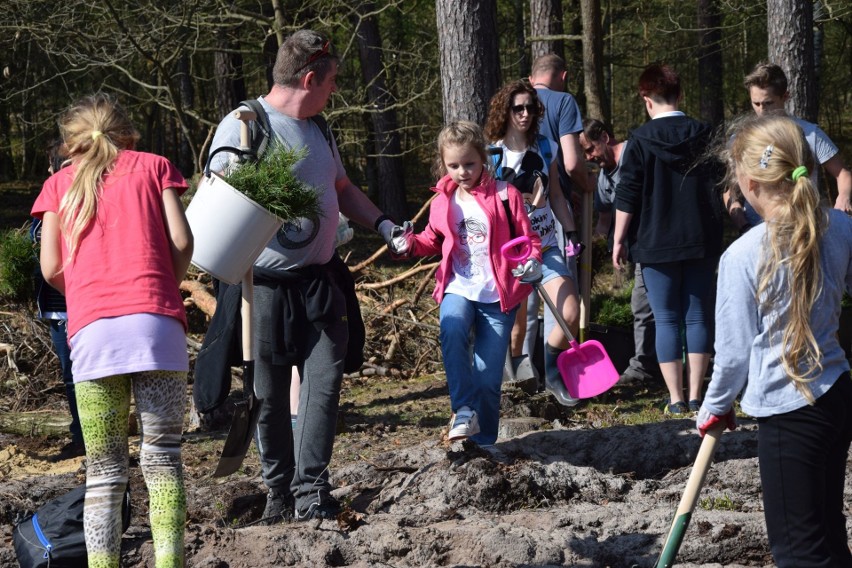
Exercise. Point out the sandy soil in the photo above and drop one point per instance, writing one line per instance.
(562, 493)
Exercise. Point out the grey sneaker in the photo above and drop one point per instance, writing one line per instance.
(279, 508)
(465, 423)
(329, 508)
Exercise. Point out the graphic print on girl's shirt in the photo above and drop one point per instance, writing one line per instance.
(473, 276)
(472, 260)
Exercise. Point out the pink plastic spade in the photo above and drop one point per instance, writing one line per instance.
(586, 368)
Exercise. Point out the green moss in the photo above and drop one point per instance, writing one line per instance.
(613, 308)
(272, 184)
(17, 263)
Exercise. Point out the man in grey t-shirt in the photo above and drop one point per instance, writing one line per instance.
(767, 91)
(601, 147)
(295, 278)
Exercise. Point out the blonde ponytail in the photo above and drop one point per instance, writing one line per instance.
(95, 129)
(793, 235)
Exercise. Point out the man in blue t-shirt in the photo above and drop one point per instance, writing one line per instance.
(562, 120)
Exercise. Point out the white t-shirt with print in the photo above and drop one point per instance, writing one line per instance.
(473, 276)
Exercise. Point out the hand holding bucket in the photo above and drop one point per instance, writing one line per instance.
(586, 368)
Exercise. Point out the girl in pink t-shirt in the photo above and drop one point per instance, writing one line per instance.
(116, 242)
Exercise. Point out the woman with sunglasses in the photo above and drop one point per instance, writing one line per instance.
(526, 159)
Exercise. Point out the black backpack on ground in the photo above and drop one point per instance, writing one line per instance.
(53, 536)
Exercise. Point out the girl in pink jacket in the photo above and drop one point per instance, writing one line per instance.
(471, 218)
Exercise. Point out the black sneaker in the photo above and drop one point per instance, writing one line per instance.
(694, 405)
(677, 408)
(279, 508)
(329, 508)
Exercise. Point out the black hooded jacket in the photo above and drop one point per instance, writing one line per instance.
(670, 186)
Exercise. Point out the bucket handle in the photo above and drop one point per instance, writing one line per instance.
(243, 155)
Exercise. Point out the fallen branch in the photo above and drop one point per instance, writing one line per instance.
(9, 349)
(396, 279)
(200, 296)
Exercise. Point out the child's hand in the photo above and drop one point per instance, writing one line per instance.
(573, 246)
(401, 237)
(528, 272)
(706, 420)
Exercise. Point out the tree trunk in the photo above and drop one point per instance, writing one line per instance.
(521, 39)
(186, 155)
(228, 65)
(387, 149)
(789, 25)
(710, 62)
(596, 104)
(470, 71)
(546, 21)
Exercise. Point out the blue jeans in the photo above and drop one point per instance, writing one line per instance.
(59, 338)
(681, 294)
(475, 381)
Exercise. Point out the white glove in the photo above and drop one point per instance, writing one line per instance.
(344, 231)
(529, 271)
(395, 236)
(401, 238)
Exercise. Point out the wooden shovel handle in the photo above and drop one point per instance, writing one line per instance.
(690, 496)
(244, 116)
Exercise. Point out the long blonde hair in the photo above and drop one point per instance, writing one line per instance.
(95, 129)
(768, 149)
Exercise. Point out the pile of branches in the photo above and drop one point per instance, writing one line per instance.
(30, 376)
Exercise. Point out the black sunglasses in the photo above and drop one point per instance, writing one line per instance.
(321, 52)
(518, 109)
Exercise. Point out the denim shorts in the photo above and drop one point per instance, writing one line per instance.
(554, 265)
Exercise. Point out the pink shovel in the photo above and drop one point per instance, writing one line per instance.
(586, 368)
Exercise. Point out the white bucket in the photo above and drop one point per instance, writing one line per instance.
(229, 229)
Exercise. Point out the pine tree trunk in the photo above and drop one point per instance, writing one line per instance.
(789, 25)
(387, 149)
(710, 62)
(470, 71)
(546, 20)
(593, 80)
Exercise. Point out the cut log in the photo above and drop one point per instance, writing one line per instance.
(199, 294)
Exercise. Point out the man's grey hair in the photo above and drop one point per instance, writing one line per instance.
(302, 52)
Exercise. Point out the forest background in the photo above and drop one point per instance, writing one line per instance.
(406, 68)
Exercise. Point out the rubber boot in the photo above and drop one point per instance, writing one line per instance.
(553, 380)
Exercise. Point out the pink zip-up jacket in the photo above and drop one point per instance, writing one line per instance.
(439, 237)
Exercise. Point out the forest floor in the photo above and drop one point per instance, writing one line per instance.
(593, 486)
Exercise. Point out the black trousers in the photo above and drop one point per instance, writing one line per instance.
(802, 456)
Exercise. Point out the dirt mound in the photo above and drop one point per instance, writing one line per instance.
(557, 497)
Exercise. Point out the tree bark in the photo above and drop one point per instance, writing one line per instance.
(521, 39)
(593, 80)
(384, 135)
(546, 20)
(710, 62)
(228, 74)
(470, 71)
(789, 26)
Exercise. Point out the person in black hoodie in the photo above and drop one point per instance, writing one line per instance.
(669, 213)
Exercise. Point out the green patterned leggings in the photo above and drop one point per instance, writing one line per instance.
(104, 405)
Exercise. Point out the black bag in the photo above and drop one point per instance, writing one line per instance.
(53, 536)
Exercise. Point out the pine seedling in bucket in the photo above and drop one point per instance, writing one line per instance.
(271, 183)
(234, 215)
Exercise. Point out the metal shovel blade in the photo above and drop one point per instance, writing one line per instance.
(586, 369)
(243, 425)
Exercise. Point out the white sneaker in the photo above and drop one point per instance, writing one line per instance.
(465, 424)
